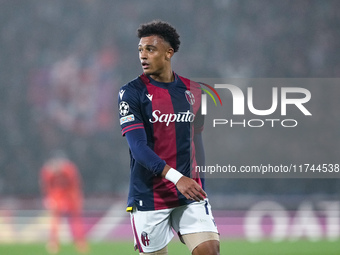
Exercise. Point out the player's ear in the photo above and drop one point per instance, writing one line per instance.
(169, 53)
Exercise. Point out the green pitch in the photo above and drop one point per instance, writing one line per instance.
(175, 247)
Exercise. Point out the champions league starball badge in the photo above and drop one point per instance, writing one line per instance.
(123, 108)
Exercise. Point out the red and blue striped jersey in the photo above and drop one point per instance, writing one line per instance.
(170, 115)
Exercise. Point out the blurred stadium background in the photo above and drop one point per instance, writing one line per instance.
(62, 63)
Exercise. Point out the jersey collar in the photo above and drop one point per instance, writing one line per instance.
(147, 79)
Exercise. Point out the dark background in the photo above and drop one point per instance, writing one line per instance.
(62, 63)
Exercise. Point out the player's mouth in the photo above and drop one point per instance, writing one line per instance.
(145, 65)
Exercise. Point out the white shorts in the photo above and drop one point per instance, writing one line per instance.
(153, 229)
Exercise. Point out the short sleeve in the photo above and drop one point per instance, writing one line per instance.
(130, 116)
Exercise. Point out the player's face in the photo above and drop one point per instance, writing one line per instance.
(155, 55)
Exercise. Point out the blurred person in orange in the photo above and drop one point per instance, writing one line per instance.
(62, 189)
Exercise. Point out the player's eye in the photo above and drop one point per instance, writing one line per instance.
(150, 49)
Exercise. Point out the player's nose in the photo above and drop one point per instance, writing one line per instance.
(143, 55)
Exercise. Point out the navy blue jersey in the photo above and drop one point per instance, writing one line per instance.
(170, 114)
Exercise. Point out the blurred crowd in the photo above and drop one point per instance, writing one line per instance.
(62, 63)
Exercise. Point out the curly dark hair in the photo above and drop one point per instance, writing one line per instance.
(161, 29)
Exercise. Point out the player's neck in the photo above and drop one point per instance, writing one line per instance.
(165, 77)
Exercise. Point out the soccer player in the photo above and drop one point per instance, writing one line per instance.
(61, 187)
(161, 119)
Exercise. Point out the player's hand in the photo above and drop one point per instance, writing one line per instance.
(190, 189)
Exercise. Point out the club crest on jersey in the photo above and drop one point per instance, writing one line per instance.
(145, 239)
(123, 108)
(190, 97)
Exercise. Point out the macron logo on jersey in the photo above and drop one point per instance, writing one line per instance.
(172, 117)
(121, 93)
(149, 96)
